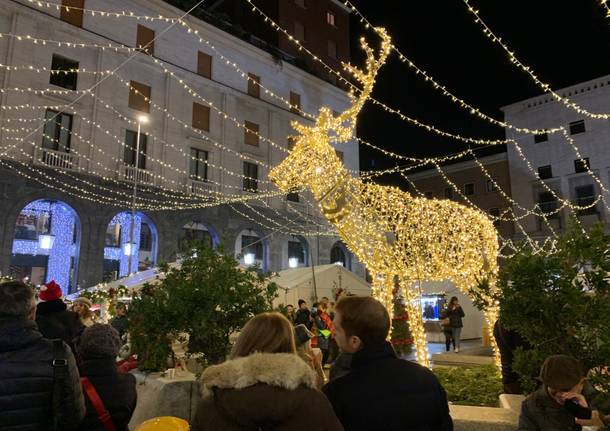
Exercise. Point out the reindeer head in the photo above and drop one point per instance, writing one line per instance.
(312, 155)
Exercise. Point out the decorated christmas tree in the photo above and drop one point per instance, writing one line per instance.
(401, 333)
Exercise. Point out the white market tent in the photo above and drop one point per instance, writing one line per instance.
(297, 283)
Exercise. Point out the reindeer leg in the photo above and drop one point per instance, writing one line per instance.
(416, 321)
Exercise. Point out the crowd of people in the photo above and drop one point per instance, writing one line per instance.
(58, 371)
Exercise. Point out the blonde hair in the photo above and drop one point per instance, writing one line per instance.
(265, 333)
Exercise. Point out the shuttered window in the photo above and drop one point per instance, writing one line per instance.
(251, 134)
(201, 117)
(139, 96)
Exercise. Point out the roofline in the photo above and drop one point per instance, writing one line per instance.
(574, 87)
(459, 166)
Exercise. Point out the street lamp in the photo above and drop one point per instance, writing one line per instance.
(45, 241)
(142, 119)
(249, 259)
(293, 262)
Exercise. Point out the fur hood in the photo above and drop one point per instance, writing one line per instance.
(283, 370)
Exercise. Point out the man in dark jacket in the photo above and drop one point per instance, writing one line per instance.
(97, 349)
(381, 391)
(52, 317)
(303, 316)
(27, 365)
(120, 322)
(563, 379)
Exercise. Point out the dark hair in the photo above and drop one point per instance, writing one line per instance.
(365, 318)
(453, 299)
(121, 306)
(290, 305)
(16, 299)
(301, 302)
(315, 304)
(265, 333)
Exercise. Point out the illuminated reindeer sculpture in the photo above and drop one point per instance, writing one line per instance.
(401, 239)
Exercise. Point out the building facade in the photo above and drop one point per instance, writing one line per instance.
(213, 113)
(486, 192)
(562, 170)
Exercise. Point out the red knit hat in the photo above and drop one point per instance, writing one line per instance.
(50, 291)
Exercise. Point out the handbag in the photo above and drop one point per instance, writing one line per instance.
(446, 321)
(102, 414)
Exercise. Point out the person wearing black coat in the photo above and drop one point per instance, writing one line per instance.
(97, 349)
(381, 391)
(508, 341)
(456, 314)
(27, 372)
(54, 320)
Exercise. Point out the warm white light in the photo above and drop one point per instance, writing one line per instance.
(318, 170)
(143, 119)
(293, 262)
(249, 258)
(45, 241)
(127, 248)
(338, 263)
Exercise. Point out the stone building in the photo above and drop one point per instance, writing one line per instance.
(555, 157)
(75, 84)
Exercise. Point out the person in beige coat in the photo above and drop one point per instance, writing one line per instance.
(264, 385)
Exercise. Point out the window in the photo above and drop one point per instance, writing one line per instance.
(252, 244)
(545, 172)
(428, 195)
(291, 141)
(139, 96)
(131, 143)
(201, 117)
(292, 197)
(339, 154)
(582, 165)
(204, 65)
(469, 189)
(331, 18)
(113, 235)
(332, 49)
(254, 89)
(72, 12)
(585, 196)
(57, 131)
(295, 102)
(145, 41)
(199, 165)
(145, 237)
(577, 127)
(492, 186)
(65, 74)
(296, 249)
(495, 212)
(251, 134)
(448, 193)
(541, 137)
(547, 203)
(250, 177)
(299, 31)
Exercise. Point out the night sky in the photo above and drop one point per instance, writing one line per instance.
(564, 42)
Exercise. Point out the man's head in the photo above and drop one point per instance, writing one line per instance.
(121, 309)
(302, 304)
(360, 321)
(17, 301)
(560, 374)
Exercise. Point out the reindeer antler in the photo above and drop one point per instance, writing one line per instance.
(367, 79)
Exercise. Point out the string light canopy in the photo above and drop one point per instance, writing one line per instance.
(401, 239)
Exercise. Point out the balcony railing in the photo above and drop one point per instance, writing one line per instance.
(56, 159)
(198, 187)
(131, 173)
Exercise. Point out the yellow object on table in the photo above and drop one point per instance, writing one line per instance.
(164, 423)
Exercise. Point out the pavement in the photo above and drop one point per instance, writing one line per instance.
(472, 352)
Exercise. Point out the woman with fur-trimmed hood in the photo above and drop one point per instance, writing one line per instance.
(264, 385)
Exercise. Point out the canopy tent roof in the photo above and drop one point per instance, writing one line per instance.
(328, 278)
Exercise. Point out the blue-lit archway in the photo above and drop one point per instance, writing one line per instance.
(118, 245)
(46, 244)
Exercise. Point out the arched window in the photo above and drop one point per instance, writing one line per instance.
(46, 244)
